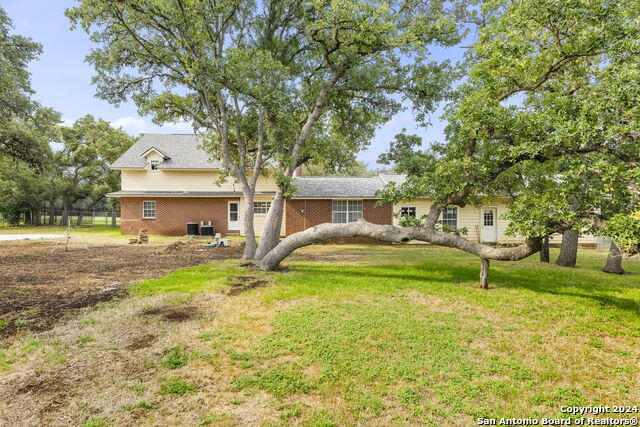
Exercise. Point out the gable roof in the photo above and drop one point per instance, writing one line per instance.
(182, 150)
(155, 150)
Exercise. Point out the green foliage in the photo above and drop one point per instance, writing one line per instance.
(145, 405)
(95, 422)
(177, 386)
(282, 380)
(272, 85)
(409, 221)
(330, 167)
(174, 359)
(624, 229)
(545, 116)
(24, 126)
(85, 339)
(82, 167)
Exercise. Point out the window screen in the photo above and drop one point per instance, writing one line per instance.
(149, 209)
(450, 217)
(347, 210)
(487, 217)
(261, 207)
(408, 211)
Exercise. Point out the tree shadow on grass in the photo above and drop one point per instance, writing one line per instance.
(543, 279)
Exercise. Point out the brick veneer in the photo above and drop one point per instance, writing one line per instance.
(173, 213)
(305, 213)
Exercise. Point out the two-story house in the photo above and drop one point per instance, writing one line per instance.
(168, 181)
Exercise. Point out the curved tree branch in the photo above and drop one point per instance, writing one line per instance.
(390, 233)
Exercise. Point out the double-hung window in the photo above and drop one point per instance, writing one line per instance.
(153, 165)
(408, 211)
(261, 208)
(149, 209)
(450, 217)
(347, 211)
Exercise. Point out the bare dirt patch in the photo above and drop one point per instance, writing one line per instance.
(171, 313)
(241, 284)
(38, 287)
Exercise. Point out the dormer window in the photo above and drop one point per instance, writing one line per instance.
(154, 157)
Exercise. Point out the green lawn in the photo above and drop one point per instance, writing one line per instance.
(420, 342)
(401, 335)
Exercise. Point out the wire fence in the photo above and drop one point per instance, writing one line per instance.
(77, 218)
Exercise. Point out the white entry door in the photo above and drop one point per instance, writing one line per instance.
(489, 224)
(234, 216)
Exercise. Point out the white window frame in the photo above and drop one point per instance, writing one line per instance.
(445, 211)
(485, 210)
(261, 205)
(350, 207)
(152, 163)
(405, 212)
(144, 209)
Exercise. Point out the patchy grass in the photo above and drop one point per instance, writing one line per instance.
(174, 359)
(175, 385)
(389, 335)
(210, 278)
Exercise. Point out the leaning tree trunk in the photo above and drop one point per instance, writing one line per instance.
(484, 274)
(614, 260)
(65, 216)
(35, 217)
(389, 233)
(273, 223)
(52, 212)
(568, 249)
(544, 251)
(250, 244)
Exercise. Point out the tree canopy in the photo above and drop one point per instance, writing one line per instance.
(547, 112)
(272, 83)
(24, 125)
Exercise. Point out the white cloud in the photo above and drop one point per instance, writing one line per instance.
(137, 125)
(67, 122)
(132, 125)
(180, 127)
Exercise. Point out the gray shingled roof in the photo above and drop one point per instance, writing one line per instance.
(184, 153)
(322, 187)
(182, 150)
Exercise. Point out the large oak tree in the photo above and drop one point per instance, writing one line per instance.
(270, 84)
(23, 122)
(548, 83)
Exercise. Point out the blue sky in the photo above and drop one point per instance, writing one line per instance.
(62, 80)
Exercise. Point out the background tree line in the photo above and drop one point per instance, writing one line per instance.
(43, 165)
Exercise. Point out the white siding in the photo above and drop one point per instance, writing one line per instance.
(183, 180)
(469, 217)
(258, 219)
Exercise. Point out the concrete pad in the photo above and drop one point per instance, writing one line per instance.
(6, 237)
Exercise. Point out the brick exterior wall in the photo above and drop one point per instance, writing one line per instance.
(304, 213)
(173, 213)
